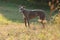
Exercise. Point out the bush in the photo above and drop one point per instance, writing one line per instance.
(56, 19)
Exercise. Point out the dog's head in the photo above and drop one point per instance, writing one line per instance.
(21, 8)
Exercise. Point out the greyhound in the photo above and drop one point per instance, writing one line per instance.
(30, 14)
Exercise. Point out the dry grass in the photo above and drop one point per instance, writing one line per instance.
(17, 31)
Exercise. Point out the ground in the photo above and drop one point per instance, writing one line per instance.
(17, 31)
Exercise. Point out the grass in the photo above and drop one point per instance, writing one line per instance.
(10, 12)
(12, 26)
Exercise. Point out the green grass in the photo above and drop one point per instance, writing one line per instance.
(11, 12)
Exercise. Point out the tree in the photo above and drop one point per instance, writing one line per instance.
(53, 6)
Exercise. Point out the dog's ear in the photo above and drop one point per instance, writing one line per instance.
(23, 6)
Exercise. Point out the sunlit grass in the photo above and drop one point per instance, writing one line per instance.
(3, 19)
(20, 32)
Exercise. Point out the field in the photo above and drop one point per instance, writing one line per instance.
(12, 26)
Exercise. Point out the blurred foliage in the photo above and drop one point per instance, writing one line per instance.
(56, 19)
(29, 3)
